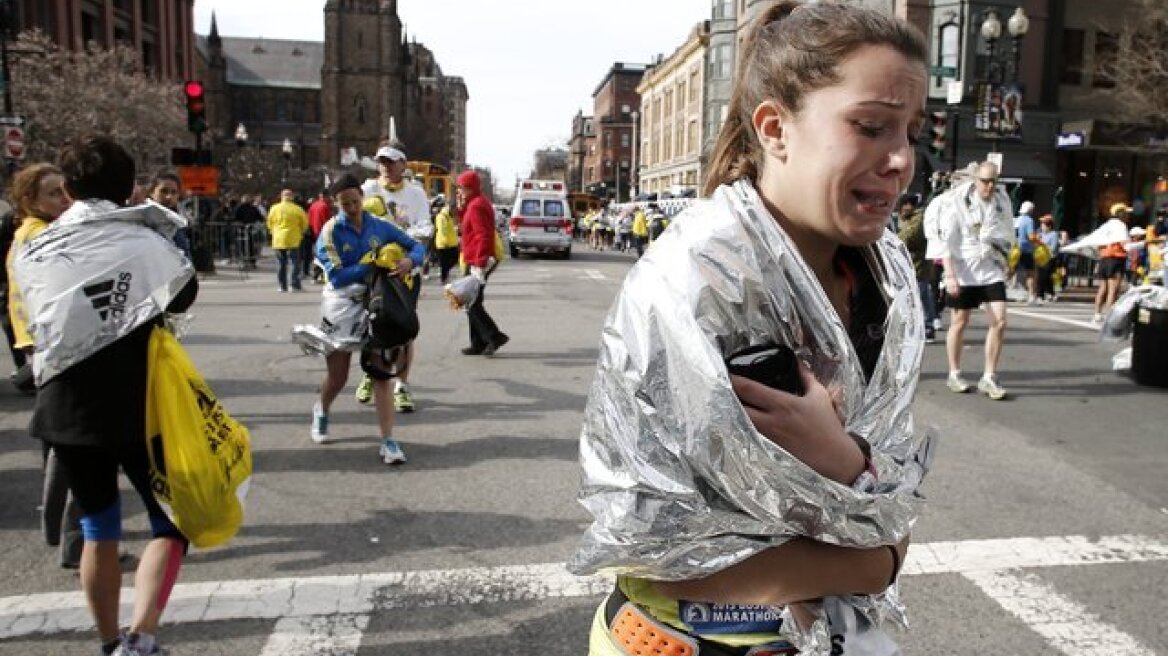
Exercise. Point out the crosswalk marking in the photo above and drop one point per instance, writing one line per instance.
(328, 614)
(1066, 625)
(1056, 319)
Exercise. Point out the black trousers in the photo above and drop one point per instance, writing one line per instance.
(483, 329)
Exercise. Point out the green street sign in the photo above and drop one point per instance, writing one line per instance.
(943, 71)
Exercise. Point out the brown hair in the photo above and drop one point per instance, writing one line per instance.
(26, 185)
(792, 50)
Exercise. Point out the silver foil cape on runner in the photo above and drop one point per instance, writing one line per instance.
(95, 274)
(678, 480)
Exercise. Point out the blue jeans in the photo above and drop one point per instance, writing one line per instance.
(286, 256)
(930, 306)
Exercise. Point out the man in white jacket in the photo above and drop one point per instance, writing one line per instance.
(978, 229)
(412, 204)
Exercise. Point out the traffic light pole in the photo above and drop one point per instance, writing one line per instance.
(956, 120)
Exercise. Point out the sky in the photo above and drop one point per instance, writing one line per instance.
(529, 65)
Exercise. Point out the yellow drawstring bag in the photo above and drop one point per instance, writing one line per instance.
(500, 255)
(200, 458)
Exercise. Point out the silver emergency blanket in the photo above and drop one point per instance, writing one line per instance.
(1113, 231)
(344, 322)
(677, 478)
(1117, 325)
(94, 275)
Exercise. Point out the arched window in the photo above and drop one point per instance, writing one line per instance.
(949, 43)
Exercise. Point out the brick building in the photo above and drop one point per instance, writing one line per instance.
(162, 31)
(328, 97)
(607, 167)
(580, 146)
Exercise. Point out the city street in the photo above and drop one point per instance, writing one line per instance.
(1046, 530)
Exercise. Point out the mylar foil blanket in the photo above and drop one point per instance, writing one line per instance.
(344, 322)
(678, 480)
(95, 274)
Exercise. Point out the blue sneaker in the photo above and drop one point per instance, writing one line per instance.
(319, 424)
(391, 452)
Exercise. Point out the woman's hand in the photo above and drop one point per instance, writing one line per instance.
(951, 286)
(808, 427)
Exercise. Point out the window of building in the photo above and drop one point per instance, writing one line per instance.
(667, 144)
(949, 43)
(723, 9)
(625, 109)
(1071, 63)
(669, 103)
(720, 62)
(607, 139)
(681, 95)
(694, 83)
(1106, 57)
(282, 109)
(360, 39)
(692, 137)
(624, 140)
(91, 28)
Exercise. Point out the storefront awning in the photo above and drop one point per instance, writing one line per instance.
(1026, 169)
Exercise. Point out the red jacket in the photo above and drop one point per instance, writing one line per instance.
(478, 223)
(318, 214)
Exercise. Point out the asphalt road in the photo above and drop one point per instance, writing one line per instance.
(458, 551)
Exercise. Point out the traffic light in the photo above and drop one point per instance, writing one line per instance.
(196, 107)
(938, 125)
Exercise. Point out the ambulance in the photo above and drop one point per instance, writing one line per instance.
(541, 221)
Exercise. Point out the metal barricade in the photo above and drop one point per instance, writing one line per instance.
(237, 245)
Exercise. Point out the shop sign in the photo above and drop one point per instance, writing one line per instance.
(1070, 140)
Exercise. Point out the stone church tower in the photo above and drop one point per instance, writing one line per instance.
(363, 77)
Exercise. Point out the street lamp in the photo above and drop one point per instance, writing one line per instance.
(635, 174)
(286, 149)
(991, 31)
(240, 136)
(1018, 25)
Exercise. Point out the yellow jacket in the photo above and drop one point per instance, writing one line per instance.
(640, 224)
(29, 228)
(446, 232)
(287, 223)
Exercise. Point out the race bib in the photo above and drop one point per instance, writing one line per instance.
(717, 619)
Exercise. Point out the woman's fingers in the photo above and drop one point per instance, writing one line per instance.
(754, 393)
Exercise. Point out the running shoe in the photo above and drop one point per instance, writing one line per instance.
(391, 452)
(319, 424)
(365, 390)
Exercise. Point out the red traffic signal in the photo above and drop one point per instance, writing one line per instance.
(937, 131)
(196, 106)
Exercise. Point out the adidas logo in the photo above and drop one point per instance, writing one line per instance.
(108, 297)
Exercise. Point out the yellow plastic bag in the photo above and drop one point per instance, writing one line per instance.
(1013, 257)
(1041, 255)
(200, 458)
(500, 255)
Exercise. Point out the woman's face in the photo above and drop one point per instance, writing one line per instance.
(838, 166)
(51, 199)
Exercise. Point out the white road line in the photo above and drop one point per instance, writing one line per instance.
(335, 635)
(1067, 626)
(360, 595)
(1047, 317)
(590, 274)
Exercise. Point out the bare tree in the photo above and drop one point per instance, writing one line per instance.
(64, 94)
(1138, 65)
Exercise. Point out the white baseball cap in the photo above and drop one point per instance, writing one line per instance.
(390, 153)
